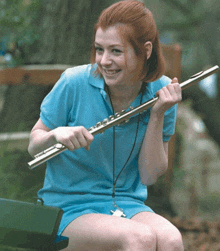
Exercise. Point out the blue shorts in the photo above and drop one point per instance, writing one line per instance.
(130, 209)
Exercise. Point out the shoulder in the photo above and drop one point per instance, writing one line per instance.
(77, 72)
(75, 77)
(159, 83)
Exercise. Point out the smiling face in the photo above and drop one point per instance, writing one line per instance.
(117, 62)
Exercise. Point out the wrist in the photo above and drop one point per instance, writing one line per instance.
(52, 136)
(157, 114)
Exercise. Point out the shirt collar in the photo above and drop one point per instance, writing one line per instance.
(95, 79)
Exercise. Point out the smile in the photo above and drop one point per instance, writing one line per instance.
(111, 72)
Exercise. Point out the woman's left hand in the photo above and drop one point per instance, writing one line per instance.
(167, 97)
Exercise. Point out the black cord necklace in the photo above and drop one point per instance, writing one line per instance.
(119, 211)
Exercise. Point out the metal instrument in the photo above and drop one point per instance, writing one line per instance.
(116, 119)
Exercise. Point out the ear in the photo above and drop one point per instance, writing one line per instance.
(148, 47)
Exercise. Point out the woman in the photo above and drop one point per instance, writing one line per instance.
(107, 175)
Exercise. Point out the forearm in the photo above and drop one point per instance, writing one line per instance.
(73, 138)
(153, 159)
(40, 140)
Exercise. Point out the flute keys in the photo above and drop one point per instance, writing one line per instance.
(105, 121)
(59, 146)
(98, 124)
(124, 122)
(111, 117)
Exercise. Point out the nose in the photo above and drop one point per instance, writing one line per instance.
(105, 59)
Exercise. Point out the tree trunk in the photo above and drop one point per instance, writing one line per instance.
(66, 31)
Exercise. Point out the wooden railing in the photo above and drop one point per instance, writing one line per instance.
(13, 141)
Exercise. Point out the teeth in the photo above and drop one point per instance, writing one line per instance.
(111, 72)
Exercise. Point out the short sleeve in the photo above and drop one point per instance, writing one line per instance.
(171, 114)
(56, 106)
(169, 123)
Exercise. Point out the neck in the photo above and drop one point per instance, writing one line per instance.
(125, 92)
(122, 97)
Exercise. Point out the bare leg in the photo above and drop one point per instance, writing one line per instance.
(101, 232)
(168, 236)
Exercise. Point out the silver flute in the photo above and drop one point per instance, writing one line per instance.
(117, 119)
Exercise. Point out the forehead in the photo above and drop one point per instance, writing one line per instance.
(109, 35)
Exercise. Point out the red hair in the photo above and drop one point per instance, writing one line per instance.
(136, 25)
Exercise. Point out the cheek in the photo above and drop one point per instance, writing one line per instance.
(135, 63)
(121, 62)
(97, 58)
(131, 65)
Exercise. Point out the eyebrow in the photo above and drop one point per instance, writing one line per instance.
(112, 45)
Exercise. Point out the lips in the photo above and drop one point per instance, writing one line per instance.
(111, 72)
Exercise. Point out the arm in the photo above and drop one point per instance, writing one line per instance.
(41, 138)
(72, 137)
(153, 158)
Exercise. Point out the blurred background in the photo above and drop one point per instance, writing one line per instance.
(41, 38)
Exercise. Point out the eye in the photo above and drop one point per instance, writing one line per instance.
(117, 51)
(98, 49)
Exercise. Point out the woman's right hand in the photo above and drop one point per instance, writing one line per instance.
(73, 137)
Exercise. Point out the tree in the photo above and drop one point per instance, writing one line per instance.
(66, 31)
(16, 18)
(195, 26)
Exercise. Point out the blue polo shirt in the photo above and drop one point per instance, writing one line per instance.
(80, 177)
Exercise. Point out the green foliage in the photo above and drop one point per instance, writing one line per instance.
(22, 107)
(17, 15)
(17, 182)
(209, 203)
(20, 112)
(19, 19)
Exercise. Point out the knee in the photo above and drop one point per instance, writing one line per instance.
(173, 241)
(139, 239)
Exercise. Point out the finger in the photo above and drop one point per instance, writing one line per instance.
(76, 143)
(81, 141)
(89, 137)
(68, 144)
(61, 136)
(169, 95)
(176, 90)
(176, 85)
(82, 138)
(172, 89)
(174, 80)
(164, 93)
(78, 140)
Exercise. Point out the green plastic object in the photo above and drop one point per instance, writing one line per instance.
(28, 225)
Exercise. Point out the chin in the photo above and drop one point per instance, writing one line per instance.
(112, 83)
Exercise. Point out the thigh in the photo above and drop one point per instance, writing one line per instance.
(168, 236)
(106, 232)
